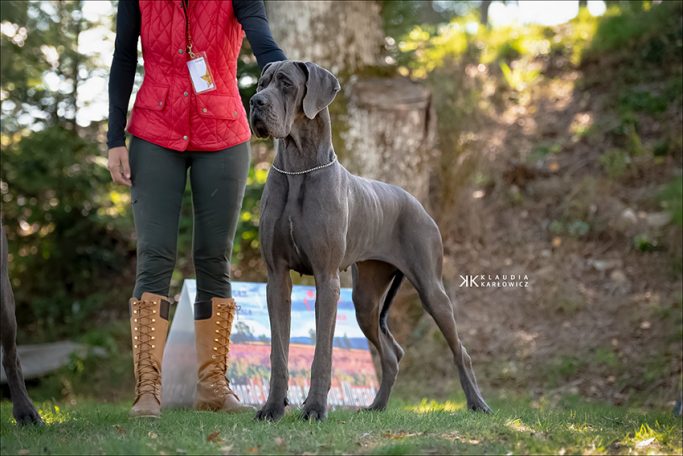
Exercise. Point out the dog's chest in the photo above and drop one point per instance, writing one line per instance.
(292, 224)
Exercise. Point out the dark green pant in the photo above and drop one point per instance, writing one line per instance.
(218, 181)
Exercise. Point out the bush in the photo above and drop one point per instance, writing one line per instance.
(625, 30)
(65, 230)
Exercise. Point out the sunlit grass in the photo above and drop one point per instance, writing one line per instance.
(50, 412)
(411, 427)
(430, 406)
(517, 425)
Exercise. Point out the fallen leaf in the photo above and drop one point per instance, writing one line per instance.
(152, 435)
(279, 441)
(121, 430)
(226, 449)
(214, 437)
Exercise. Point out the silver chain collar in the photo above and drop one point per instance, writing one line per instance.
(294, 173)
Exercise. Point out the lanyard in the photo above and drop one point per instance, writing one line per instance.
(188, 37)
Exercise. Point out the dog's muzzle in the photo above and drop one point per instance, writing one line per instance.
(258, 123)
(259, 113)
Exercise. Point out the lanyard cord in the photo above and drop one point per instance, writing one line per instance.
(188, 37)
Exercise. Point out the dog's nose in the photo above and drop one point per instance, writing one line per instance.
(257, 100)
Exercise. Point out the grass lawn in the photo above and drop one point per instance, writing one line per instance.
(567, 426)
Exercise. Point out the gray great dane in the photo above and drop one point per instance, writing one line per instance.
(318, 219)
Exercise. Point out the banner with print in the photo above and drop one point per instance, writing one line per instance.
(354, 380)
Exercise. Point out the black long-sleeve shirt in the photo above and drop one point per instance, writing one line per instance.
(251, 14)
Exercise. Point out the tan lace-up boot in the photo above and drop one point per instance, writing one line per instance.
(213, 345)
(149, 328)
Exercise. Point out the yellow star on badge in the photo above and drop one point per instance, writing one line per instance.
(207, 78)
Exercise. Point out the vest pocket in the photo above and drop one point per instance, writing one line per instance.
(219, 106)
(151, 96)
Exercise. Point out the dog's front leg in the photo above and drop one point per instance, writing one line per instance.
(279, 296)
(327, 296)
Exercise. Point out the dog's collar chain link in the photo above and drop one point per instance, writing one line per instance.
(294, 173)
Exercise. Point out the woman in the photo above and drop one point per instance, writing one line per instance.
(187, 115)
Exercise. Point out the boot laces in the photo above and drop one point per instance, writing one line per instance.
(148, 372)
(225, 312)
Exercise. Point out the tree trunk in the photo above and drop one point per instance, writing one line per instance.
(484, 11)
(341, 36)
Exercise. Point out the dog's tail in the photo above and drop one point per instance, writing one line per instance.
(393, 288)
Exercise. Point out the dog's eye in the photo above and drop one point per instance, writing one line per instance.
(284, 81)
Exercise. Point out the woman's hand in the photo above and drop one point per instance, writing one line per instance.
(118, 165)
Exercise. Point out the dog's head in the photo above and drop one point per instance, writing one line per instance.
(288, 92)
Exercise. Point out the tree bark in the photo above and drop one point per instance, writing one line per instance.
(341, 36)
(391, 133)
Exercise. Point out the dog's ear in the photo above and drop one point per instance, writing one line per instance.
(265, 69)
(321, 88)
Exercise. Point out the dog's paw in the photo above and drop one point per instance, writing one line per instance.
(270, 412)
(313, 411)
(479, 406)
(374, 408)
(27, 415)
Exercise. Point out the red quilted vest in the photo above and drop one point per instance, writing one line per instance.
(167, 112)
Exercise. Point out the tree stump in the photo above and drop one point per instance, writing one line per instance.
(390, 133)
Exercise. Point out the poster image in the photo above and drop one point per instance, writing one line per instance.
(354, 380)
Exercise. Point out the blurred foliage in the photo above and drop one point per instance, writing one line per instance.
(423, 49)
(66, 236)
(39, 39)
(400, 16)
(671, 198)
(69, 243)
(654, 36)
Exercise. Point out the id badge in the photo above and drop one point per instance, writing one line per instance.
(200, 73)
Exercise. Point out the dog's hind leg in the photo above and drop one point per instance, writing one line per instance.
(422, 262)
(22, 407)
(436, 302)
(371, 280)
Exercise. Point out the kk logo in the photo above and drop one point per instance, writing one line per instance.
(469, 281)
